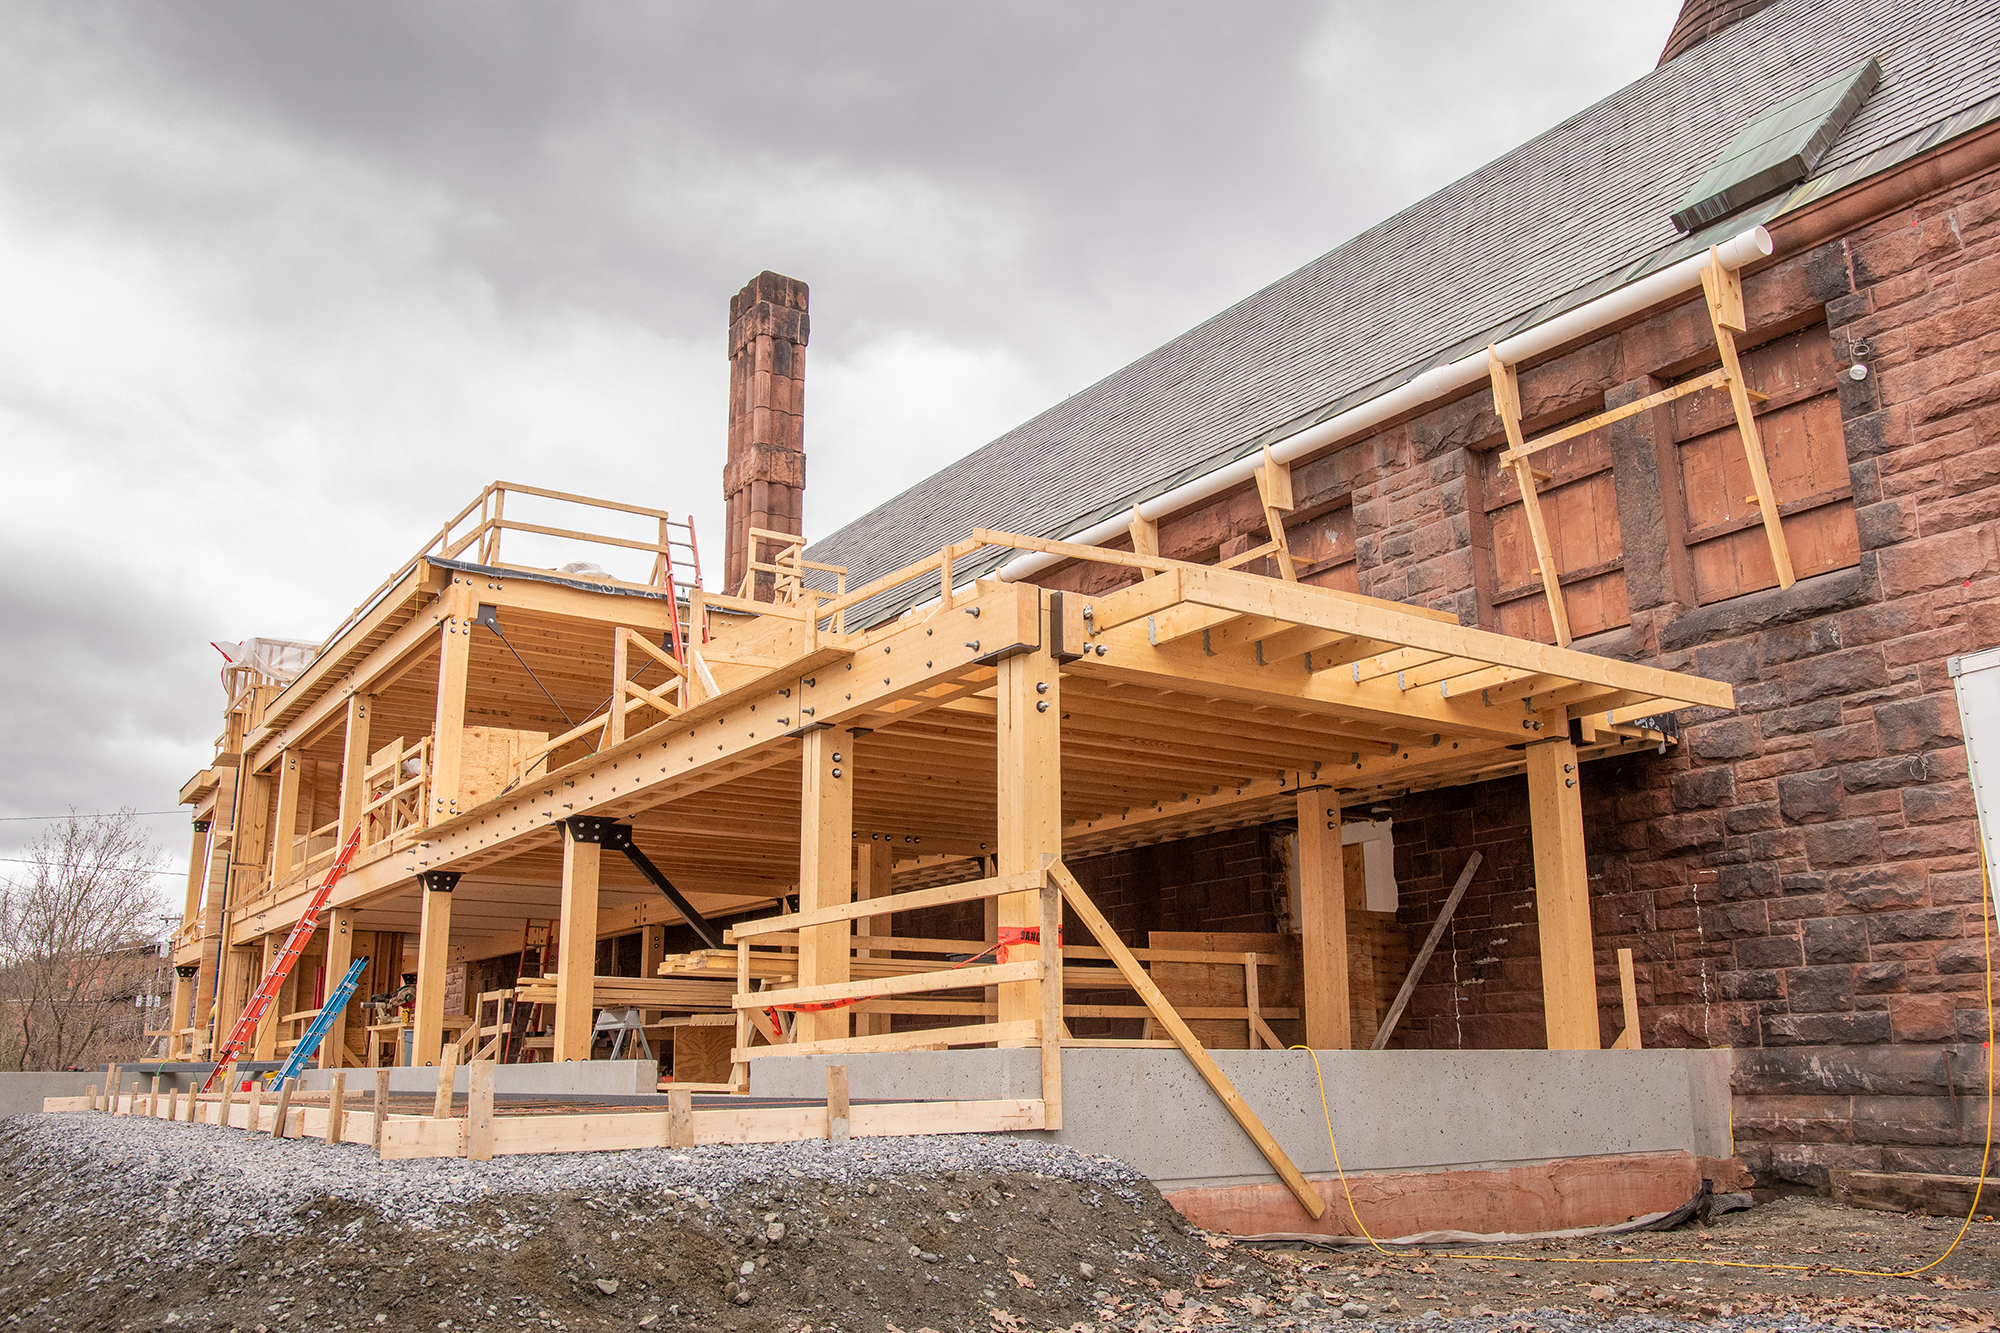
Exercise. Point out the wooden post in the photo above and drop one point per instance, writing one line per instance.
(197, 870)
(90, 1097)
(1052, 1030)
(680, 1118)
(874, 867)
(448, 730)
(336, 1107)
(339, 957)
(1562, 896)
(1323, 923)
(381, 1106)
(836, 1102)
(739, 1074)
(576, 947)
(228, 1095)
(253, 828)
(265, 1044)
(284, 1106)
(285, 823)
(826, 870)
(253, 1118)
(479, 1110)
(1029, 736)
(447, 1072)
(353, 764)
(111, 1088)
(433, 954)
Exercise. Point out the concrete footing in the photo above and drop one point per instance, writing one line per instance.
(1472, 1140)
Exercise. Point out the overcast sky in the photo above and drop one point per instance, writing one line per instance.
(282, 286)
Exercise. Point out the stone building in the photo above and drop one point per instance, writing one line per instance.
(1798, 878)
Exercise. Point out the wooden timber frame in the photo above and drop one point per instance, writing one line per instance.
(1723, 290)
(979, 746)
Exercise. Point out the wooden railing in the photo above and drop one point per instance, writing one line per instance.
(474, 533)
(395, 795)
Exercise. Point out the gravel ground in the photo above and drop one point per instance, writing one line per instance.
(132, 1224)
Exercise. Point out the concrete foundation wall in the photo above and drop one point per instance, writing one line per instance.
(21, 1094)
(1391, 1110)
(576, 1078)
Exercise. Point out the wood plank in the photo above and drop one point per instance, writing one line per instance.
(896, 902)
(1093, 921)
(1628, 991)
(1909, 1192)
(1507, 403)
(479, 1111)
(1724, 289)
(1423, 958)
(969, 1035)
(913, 984)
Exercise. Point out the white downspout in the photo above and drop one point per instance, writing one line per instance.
(1433, 384)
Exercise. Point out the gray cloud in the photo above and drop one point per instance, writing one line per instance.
(287, 284)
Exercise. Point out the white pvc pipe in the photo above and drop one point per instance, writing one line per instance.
(1433, 384)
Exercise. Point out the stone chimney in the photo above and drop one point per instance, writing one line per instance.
(764, 481)
(1702, 19)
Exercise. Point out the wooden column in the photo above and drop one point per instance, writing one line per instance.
(1323, 923)
(197, 870)
(183, 1011)
(576, 945)
(1562, 896)
(1029, 737)
(354, 762)
(253, 829)
(339, 956)
(826, 870)
(433, 955)
(285, 822)
(265, 1047)
(448, 731)
(873, 867)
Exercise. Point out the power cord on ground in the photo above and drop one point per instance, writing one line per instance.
(1986, 1157)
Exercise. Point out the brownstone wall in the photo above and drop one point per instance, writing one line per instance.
(1799, 876)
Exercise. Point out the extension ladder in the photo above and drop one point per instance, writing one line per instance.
(274, 980)
(315, 1033)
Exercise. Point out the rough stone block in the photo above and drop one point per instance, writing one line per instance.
(1840, 939)
(1826, 1029)
(1814, 796)
(1704, 788)
(1844, 843)
(1876, 887)
(1730, 738)
(1933, 923)
(1923, 723)
(1769, 951)
(1877, 774)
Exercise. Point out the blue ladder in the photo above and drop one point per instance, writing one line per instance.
(296, 1061)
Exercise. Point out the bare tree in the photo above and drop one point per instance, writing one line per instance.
(80, 943)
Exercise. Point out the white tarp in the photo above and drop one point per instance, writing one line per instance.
(1975, 677)
(275, 661)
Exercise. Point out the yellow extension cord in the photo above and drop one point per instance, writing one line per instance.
(1986, 933)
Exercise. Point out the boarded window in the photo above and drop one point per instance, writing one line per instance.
(1807, 457)
(1580, 508)
(1323, 549)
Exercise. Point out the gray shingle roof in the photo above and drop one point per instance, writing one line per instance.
(1575, 211)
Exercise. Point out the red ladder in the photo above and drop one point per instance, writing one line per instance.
(274, 980)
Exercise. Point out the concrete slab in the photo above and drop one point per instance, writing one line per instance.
(572, 1078)
(1390, 1110)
